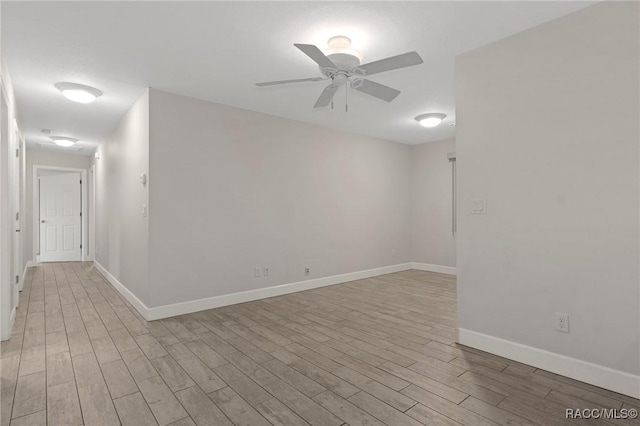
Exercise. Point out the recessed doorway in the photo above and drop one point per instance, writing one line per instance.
(59, 206)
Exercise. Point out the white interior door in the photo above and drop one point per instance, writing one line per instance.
(60, 217)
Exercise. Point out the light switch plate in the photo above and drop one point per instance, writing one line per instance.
(478, 206)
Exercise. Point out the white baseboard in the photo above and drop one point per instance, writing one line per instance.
(594, 374)
(450, 270)
(29, 264)
(181, 308)
(262, 293)
(6, 330)
(124, 291)
(190, 306)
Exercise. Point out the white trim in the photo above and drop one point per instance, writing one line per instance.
(197, 305)
(594, 374)
(36, 214)
(450, 270)
(92, 215)
(6, 331)
(124, 291)
(263, 293)
(27, 265)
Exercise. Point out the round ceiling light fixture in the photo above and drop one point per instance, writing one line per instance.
(430, 120)
(79, 92)
(341, 53)
(64, 141)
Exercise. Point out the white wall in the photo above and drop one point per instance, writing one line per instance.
(36, 157)
(234, 189)
(10, 203)
(547, 133)
(432, 240)
(122, 233)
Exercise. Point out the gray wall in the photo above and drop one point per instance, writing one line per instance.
(122, 233)
(432, 240)
(547, 133)
(234, 189)
(53, 159)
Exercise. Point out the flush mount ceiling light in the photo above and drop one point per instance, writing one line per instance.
(341, 53)
(64, 141)
(431, 119)
(79, 92)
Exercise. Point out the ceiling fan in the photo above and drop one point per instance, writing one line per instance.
(342, 66)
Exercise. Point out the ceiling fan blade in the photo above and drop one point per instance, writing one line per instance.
(316, 54)
(298, 80)
(392, 63)
(326, 96)
(377, 90)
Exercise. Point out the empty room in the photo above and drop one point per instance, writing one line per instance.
(320, 213)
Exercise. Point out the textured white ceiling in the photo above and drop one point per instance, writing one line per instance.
(218, 50)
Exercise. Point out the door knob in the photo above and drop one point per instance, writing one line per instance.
(42, 221)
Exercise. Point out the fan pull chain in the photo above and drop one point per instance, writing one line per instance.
(346, 98)
(332, 105)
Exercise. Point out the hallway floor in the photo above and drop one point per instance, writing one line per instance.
(375, 351)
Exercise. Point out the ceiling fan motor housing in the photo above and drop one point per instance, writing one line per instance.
(341, 54)
(344, 61)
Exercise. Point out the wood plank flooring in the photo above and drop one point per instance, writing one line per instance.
(379, 351)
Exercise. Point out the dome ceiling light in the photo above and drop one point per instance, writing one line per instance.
(64, 141)
(79, 92)
(430, 120)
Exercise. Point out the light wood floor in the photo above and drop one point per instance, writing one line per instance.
(375, 351)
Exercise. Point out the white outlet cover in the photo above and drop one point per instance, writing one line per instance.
(562, 322)
(478, 206)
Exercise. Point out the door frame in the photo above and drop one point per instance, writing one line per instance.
(7, 227)
(19, 212)
(86, 252)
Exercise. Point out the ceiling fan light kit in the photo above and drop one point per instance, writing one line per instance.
(431, 119)
(341, 53)
(341, 65)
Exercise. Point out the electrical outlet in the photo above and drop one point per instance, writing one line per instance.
(478, 207)
(562, 322)
(267, 271)
(307, 271)
(257, 271)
